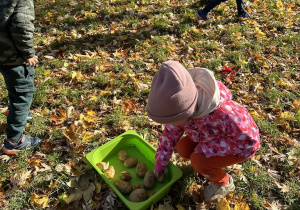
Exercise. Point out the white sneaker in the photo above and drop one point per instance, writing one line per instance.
(214, 192)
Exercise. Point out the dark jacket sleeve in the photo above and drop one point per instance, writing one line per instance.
(22, 28)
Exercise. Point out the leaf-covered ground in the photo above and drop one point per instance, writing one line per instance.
(97, 59)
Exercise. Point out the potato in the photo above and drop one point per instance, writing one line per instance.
(122, 154)
(149, 180)
(150, 194)
(110, 172)
(138, 186)
(130, 162)
(138, 195)
(125, 176)
(102, 166)
(123, 186)
(141, 169)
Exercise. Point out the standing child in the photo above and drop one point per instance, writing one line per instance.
(219, 131)
(213, 3)
(17, 61)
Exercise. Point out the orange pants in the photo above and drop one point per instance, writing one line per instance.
(211, 168)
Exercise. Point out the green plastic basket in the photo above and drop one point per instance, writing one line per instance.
(144, 152)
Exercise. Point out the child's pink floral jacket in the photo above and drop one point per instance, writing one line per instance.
(227, 130)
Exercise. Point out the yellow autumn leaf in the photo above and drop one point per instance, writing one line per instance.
(33, 198)
(288, 116)
(284, 117)
(241, 206)
(52, 184)
(117, 54)
(123, 38)
(93, 98)
(74, 74)
(279, 4)
(98, 187)
(39, 200)
(253, 113)
(90, 14)
(75, 57)
(260, 34)
(223, 205)
(78, 76)
(45, 111)
(91, 113)
(87, 138)
(72, 197)
(266, 65)
(195, 30)
(82, 57)
(180, 207)
(105, 93)
(42, 202)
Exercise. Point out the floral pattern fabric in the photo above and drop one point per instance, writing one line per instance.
(228, 130)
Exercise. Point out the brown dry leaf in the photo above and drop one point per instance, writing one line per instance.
(126, 107)
(282, 187)
(296, 104)
(164, 207)
(277, 112)
(34, 162)
(79, 193)
(19, 179)
(59, 118)
(71, 135)
(195, 191)
(47, 146)
(4, 158)
(125, 125)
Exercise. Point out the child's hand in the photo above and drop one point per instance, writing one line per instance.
(33, 61)
(160, 176)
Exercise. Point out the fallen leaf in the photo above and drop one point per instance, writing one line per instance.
(241, 206)
(19, 179)
(223, 205)
(41, 201)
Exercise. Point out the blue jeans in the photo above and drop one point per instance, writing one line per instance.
(213, 3)
(20, 86)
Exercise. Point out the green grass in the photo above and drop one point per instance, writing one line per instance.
(129, 40)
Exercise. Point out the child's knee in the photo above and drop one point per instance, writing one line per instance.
(197, 163)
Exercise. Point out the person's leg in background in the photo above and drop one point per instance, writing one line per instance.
(212, 169)
(212, 4)
(20, 86)
(241, 9)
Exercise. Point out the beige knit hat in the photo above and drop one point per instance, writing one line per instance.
(208, 91)
(173, 95)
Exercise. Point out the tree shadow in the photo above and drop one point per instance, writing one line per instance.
(127, 38)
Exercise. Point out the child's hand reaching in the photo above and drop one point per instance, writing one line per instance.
(33, 61)
(160, 176)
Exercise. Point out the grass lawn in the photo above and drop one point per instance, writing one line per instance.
(97, 60)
